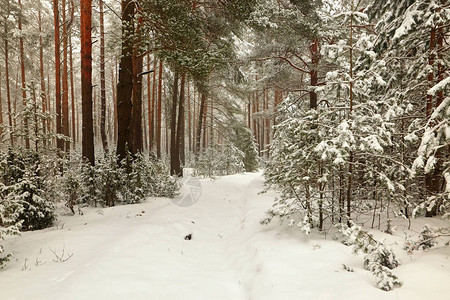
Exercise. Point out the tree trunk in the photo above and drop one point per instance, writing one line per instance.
(174, 148)
(180, 125)
(102, 81)
(249, 116)
(59, 142)
(150, 107)
(315, 54)
(430, 177)
(114, 114)
(65, 81)
(205, 120)
(267, 125)
(137, 103)
(189, 118)
(194, 117)
(41, 72)
(72, 94)
(49, 108)
(159, 112)
(36, 129)
(1, 107)
(200, 123)
(86, 81)
(8, 91)
(153, 102)
(125, 85)
(211, 121)
(22, 72)
(16, 91)
(350, 160)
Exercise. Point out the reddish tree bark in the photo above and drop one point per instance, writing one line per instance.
(154, 100)
(49, 107)
(125, 85)
(315, 55)
(150, 107)
(22, 72)
(159, 111)
(65, 80)
(194, 118)
(59, 142)
(72, 95)
(41, 69)
(102, 81)
(86, 81)
(8, 91)
(189, 117)
(249, 115)
(114, 114)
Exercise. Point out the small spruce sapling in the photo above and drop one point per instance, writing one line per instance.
(378, 258)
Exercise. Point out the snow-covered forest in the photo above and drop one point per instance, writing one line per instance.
(224, 149)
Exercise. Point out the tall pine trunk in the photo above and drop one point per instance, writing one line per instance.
(430, 178)
(22, 72)
(150, 107)
(350, 160)
(65, 80)
(174, 151)
(138, 144)
(189, 117)
(8, 91)
(114, 114)
(153, 103)
(102, 81)
(59, 142)
(125, 85)
(200, 122)
(86, 81)
(72, 95)
(159, 112)
(41, 71)
(180, 125)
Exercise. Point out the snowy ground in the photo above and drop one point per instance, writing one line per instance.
(139, 252)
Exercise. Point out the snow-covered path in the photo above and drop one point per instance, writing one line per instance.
(139, 252)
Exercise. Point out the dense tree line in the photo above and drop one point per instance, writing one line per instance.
(345, 103)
